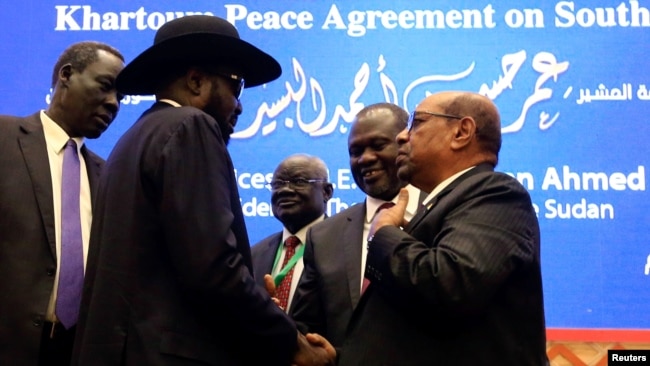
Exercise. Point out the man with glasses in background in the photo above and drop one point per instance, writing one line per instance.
(299, 195)
(173, 282)
(460, 284)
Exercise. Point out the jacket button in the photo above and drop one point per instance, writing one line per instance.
(38, 322)
(51, 272)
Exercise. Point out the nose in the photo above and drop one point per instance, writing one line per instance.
(239, 108)
(112, 103)
(284, 191)
(368, 155)
(402, 137)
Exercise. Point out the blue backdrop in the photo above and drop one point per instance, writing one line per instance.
(569, 78)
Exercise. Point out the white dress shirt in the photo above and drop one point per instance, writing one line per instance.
(442, 186)
(56, 139)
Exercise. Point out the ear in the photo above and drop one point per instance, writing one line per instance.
(328, 191)
(65, 72)
(195, 80)
(464, 133)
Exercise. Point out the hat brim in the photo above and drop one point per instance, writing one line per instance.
(140, 76)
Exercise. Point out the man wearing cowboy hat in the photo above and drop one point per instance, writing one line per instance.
(169, 281)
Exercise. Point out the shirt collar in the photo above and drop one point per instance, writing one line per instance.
(444, 185)
(171, 102)
(55, 137)
(302, 233)
(372, 203)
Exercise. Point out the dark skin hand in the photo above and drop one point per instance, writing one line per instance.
(269, 285)
(393, 216)
(313, 349)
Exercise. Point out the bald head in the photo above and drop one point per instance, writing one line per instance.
(451, 131)
(313, 166)
(300, 191)
(394, 115)
(484, 112)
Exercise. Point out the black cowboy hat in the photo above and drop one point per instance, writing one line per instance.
(201, 39)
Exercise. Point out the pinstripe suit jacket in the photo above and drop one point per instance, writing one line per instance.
(461, 285)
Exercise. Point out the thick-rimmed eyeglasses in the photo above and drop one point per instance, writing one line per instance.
(236, 80)
(298, 183)
(413, 122)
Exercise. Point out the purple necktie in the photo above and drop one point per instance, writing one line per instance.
(71, 271)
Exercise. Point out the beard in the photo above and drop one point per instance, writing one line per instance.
(384, 189)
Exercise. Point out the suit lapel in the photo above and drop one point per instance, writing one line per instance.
(421, 198)
(274, 245)
(34, 150)
(352, 236)
(93, 169)
(271, 249)
(478, 169)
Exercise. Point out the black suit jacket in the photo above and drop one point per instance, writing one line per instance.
(331, 282)
(461, 285)
(27, 235)
(173, 282)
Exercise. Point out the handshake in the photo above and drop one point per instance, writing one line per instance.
(313, 349)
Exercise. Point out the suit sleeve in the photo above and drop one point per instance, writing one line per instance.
(263, 256)
(196, 208)
(308, 310)
(487, 232)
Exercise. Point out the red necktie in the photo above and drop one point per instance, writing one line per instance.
(384, 205)
(283, 290)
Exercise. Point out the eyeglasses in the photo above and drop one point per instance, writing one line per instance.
(298, 183)
(236, 80)
(413, 123)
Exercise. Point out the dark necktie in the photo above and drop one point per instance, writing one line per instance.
(384, 205)
(283, 290)
(71, 270)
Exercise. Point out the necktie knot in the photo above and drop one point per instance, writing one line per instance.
(384, 205)
(292, 242)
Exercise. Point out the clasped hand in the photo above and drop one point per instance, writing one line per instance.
(313, 349)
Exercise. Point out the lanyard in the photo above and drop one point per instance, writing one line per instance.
(292, 262)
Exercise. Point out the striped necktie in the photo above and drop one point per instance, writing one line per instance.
(284, 289)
